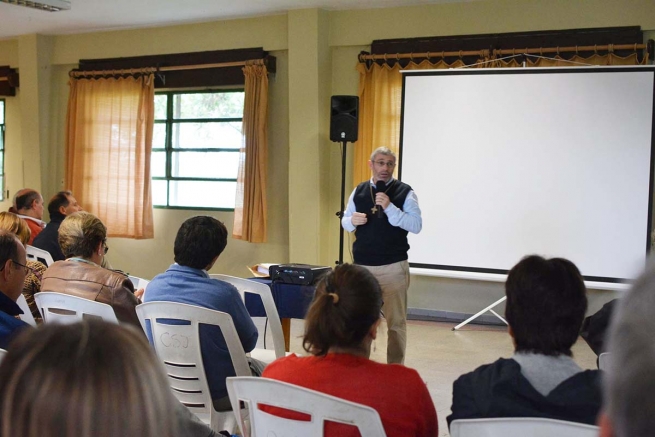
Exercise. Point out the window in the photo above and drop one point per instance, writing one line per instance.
(2, 149)
(195, 149)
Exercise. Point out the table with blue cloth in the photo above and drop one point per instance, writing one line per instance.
(291, 301)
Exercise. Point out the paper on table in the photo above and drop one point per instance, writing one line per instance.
(260, 270)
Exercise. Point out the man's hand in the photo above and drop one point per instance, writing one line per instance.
(382, 200)
(358, 218)
(139, 293)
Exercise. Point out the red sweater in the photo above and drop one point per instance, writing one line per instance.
(395, 391)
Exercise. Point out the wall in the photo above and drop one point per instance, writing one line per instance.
(316, 52)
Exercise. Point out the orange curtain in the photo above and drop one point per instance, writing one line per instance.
(108, 144)
(380, 93)
(250, 206)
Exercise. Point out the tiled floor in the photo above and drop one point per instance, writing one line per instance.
(441, 355)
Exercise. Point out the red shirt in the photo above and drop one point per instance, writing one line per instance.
(395, 391)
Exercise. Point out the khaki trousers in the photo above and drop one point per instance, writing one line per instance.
(394, 281)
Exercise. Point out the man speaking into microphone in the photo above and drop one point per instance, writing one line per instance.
(381, 211)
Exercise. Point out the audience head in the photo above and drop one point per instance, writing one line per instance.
(62, 204)
(16, 225)
(13, 265)
(199, 242)
(29, 202)
(82, 234)
(345, 311)
(546, 303)
(86, 379)
(629, 384)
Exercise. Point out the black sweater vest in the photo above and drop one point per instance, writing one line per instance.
(377, 242)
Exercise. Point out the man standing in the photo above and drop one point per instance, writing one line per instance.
(13, 269)
(199, 242)
(29, 206)
(61, 204)
(382, 211)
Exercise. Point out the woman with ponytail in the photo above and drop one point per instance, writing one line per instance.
(340, 326)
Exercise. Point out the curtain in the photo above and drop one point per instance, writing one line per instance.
(108, 144)
(380, 93)
(250, 206)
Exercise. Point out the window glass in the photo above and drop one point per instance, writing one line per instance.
(208, 105)
(221, 165)
(203, 148)
(208, 135)
(202, 194)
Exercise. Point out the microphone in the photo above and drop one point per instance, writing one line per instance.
(380, 187)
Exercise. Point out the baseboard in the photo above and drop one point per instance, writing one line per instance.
(450, 316)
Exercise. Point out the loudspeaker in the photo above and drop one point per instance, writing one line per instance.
(343, 118)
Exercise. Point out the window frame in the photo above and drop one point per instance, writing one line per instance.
(168, 146)
(3, 124)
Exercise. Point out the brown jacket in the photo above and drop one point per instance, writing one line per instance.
(94, 283)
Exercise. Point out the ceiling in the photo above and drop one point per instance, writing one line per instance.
(96, 15)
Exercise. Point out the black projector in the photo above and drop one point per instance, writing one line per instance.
(299, 274)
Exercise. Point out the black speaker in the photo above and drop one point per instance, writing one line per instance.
(343, 118)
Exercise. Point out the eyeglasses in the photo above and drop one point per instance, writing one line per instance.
(26, 268)
(389, 164)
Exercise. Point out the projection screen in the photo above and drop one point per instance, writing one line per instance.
(511, 162)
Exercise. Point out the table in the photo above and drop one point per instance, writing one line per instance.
(291, 301)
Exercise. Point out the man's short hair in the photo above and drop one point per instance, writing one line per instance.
(546, 303)
(629, 385)
(57, 201)
(26, 199)
(199, 240)
(383, 151)
(8, 247)
(80, 234)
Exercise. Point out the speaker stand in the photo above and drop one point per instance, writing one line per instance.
(340, 213)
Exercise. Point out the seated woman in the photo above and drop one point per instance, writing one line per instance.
(17, 226)
(340, 325)
(88, 379)
(546, 302)
(82, 238)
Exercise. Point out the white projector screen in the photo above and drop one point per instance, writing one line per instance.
(512, 162)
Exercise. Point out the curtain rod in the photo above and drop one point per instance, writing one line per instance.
(485, 53)
(148, 70)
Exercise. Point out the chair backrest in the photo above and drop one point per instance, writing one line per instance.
(264, 291)
(603, 361)
(36, 254)
(520, 427)
(64, 308)
(27, 316)
(178, 347)
(319, 406)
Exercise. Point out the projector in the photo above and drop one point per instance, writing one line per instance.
(299, 274)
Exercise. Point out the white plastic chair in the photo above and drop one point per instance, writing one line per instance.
(2, 355)
(35, 254)
(178, 347)
(264, 291)
(319, 406)
(520, 427)
(64, 308)
(27, 316)
(603, 361)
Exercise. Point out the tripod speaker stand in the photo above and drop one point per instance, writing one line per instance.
(343, 128)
